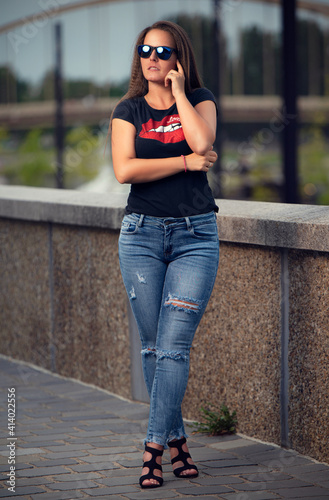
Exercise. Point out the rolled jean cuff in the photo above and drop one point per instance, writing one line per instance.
(156, 439)
(162, 442)
(177, 435)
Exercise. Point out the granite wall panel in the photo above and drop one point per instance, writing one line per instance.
(63, 307)
(25, 318)
(235, 356)
(309, 353)
(91, 333)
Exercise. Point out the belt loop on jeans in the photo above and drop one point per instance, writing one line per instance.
(140, 222)
(188, 223)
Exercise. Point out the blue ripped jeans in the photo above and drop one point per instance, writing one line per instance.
(169, 268)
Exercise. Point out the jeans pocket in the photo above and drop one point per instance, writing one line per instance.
(128, 226)
(205, 230)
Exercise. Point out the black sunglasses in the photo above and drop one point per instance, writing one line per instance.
(163, 52)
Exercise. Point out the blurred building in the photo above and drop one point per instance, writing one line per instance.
(98, 39)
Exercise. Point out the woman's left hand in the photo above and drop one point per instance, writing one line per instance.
(177, 79)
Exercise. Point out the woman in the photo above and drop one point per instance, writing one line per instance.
(162, 136)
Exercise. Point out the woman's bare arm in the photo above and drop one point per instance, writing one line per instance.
(199, 122)
(130, 170)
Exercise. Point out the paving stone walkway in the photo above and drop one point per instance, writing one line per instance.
(76, 441)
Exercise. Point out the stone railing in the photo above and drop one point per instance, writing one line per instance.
(262, 346)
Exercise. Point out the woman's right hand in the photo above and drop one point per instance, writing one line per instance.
(201, 163)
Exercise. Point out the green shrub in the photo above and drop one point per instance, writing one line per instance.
(217, 422)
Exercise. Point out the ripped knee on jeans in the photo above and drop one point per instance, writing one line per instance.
(174, 355)
(149, 350)
(165, 354)
(182, 303)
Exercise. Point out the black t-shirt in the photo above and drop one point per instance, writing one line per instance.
(159, 134)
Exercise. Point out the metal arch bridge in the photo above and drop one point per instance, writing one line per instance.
(317, 8)
(235, 108)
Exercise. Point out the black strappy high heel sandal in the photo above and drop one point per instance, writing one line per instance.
(182, 457)
(152, 465)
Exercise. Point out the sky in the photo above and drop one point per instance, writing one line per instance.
(98, 41)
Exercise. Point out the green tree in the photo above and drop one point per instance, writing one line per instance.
(310, 58)
(13, 89)
(46, 89)
(252, 44)
(32, 166)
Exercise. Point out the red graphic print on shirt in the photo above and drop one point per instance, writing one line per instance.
(168, 130)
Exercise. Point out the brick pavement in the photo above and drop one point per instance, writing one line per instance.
(77, 441)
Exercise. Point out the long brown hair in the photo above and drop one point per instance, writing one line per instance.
(138, 86)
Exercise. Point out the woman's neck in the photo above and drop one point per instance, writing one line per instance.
(159, 96)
